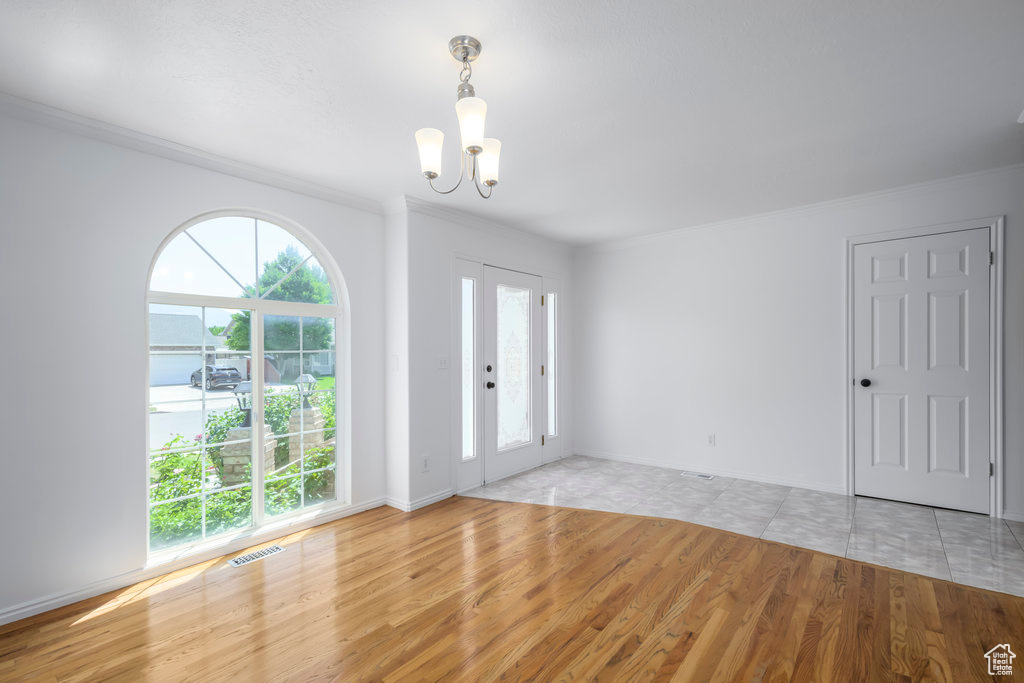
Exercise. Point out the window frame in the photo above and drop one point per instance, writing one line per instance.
(260, 307)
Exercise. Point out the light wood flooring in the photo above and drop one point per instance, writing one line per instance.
(476, 590)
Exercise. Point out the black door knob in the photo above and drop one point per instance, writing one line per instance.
(865, 383)
(490, 385)
(488, 368)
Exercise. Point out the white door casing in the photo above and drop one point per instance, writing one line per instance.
(512, 388)
(921, 324)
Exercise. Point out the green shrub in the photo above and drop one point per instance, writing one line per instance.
(176, 475)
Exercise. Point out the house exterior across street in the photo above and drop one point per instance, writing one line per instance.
(178, 343)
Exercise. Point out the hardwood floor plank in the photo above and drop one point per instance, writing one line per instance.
(715, 585)
(478, 590)
(662, 588)
(646, 538)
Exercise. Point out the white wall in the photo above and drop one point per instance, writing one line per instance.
(82, 220)
(738, 329)
(435, 237)
(396, 295)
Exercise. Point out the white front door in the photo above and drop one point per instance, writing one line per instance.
(921, 369)
(511, 380)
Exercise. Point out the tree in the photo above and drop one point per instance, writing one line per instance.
(217, 330)
(308, 284)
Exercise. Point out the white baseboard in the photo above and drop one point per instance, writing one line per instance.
(407, 506)
(431, 499)
(718, 472)
(1013, 516)
(55, 600)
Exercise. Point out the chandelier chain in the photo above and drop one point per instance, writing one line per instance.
(467, 70)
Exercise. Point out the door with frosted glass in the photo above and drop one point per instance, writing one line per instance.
(511, 379)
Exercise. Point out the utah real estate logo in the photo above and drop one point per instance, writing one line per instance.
(1000, 660)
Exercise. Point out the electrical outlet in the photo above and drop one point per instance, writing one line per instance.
(712, 440)
(426, 463)
(442, 363)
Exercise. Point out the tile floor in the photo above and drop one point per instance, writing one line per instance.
(958, 546)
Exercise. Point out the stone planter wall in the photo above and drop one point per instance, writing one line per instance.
(236, 457)
(304, 419)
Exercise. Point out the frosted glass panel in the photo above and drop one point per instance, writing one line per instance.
(468, 371)
(551, 371)
(513, 370)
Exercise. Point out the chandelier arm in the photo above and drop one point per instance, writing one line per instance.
(462, 172)
(476, 183)
(490, 189)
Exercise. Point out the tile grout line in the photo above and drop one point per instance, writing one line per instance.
(945, 555)
(668, 482)
(776, 513)
(849, 535)
(712, 501)
(1013, 534)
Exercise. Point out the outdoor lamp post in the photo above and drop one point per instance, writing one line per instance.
(305, 383)
(243, 394)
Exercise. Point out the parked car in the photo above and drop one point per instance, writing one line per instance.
(217, 376)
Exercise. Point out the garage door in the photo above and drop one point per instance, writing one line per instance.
(172, 369)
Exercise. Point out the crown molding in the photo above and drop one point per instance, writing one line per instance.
(51, 117)
(478, 222)
(806, 209)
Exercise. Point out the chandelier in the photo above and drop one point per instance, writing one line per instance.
(479, 155)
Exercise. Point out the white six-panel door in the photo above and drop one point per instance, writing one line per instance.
(512, 384)
(921, 363)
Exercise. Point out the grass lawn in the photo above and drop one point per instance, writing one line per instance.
(325, 383)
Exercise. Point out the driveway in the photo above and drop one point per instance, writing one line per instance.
(178, 409)
(184, 392)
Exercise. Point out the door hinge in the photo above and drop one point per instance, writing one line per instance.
(991, 258)
(542, 371)
(991, 469)
(541, 439)
(541, 299)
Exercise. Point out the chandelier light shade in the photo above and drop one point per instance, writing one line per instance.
(471, 112)
(430, 141)
(489, 161)
(479, 155)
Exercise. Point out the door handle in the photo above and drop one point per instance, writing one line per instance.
(865, 383)
(490, 385)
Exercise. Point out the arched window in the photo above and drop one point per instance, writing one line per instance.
(246, 411)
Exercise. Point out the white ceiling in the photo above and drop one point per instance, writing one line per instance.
(617, 118)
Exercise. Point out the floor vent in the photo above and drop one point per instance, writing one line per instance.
(256, 555)
(697, 475)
